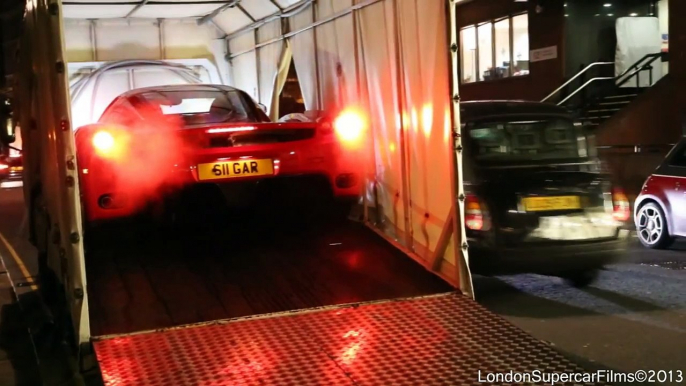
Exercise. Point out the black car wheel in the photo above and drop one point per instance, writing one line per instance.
(651, 226)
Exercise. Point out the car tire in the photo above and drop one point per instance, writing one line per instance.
(582, 279)
(651, 227)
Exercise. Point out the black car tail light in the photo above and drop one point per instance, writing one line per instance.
(476, 214)
(621, 208)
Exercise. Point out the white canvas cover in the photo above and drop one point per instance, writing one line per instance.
(303, 51)
(268, 59)
(389, 59)
(636, 38)
(92, 94)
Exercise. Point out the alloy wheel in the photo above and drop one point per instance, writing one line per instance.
(650, 225)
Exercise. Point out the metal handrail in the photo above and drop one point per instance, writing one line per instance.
(574, 77)
(634, 69)
(584, 86)
(624, 75)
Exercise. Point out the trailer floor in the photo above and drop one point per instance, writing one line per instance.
(144, 278)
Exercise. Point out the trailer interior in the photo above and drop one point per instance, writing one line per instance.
(281, 255)
(295, 289)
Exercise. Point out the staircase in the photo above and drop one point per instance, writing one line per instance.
(597, 99)
(604, 107)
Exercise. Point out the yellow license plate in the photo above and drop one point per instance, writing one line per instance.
(542, 204)
(235, 169)
(16, 168)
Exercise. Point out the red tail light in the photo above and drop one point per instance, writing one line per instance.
(3, 166)
(476, 216)
(103, 141)
(111, 144)
(621, 208)
(349, 126)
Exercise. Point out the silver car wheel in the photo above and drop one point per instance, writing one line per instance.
(650, 225)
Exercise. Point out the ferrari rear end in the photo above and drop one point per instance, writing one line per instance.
(137, 159)
(224, 154)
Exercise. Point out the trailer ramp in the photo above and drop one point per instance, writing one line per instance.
(440, 339)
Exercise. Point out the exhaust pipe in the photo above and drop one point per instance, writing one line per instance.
(106, 201)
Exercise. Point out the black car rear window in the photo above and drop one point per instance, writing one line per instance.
(525, 139)
(197, 107)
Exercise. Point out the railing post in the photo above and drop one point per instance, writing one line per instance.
(638, 78)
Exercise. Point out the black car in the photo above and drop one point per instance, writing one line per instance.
(536, 198)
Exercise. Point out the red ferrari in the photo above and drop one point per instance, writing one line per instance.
(152, 141)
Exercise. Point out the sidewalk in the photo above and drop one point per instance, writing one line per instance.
(18, 363)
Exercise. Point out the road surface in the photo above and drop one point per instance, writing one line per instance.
(633, 317)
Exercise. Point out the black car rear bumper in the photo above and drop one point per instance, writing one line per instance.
(548, 259)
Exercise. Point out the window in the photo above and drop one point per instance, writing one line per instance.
(495, 49)
(200, 106)
(520, 44)
(484, 34)
(468, 44)
(120, 112)
(524, 140)
(502, 47)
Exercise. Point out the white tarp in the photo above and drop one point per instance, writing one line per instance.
(424, 59)
(268, 59)
(122, 39)
(92, 94)
(302, 47)
(244, 67)
(336, 55)
(636, 38)
(377, 29)
(390, 60)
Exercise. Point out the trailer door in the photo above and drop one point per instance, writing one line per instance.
(389, 62)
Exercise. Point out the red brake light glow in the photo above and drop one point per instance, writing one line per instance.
(476, 217)
(230, 129)
(3, 166)
(103, 142)
(349, 126)
(621, 208)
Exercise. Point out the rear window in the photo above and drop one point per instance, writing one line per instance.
(202, 107)
(526, 140)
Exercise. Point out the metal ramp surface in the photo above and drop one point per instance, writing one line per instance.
(436, 340)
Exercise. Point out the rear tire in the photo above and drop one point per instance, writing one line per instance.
(582, 279)
(651, 227)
